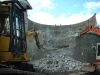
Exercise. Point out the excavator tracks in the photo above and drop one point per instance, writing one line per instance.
(9, 71)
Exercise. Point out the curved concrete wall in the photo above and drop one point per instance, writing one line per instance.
(72, 27)
(60, 44)
(57, 36)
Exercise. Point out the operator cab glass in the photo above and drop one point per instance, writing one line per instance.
(18, 39)
(4, 28)
(4, 21)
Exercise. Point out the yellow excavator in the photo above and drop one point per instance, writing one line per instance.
(13, 36)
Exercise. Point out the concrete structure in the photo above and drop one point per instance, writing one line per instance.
(59, 46)
(86, 45)
(87, 49)
(62, 34)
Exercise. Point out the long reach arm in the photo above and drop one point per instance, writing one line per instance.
(35, 34)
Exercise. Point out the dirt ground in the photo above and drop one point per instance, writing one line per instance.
(77, 73)
(65, 73)
(82, 73)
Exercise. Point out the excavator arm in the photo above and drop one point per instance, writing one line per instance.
(35, 35)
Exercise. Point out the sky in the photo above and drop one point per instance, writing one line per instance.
(63, 12)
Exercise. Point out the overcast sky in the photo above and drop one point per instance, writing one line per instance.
(63, 12)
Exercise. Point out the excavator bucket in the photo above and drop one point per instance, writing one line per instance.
(88, 68)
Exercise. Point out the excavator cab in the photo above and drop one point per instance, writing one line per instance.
(12, 30)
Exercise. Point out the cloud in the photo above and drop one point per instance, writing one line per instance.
(45, 4)
(40, 4)
(92, 5)
(49, 19)
(39, 16)
(76, 5)
(76, 18)
(42, 17)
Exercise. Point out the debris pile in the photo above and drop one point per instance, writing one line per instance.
(57, 53)
(59, 60)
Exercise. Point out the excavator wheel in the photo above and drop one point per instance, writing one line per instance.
(23, 66)
(27, 67)
(31, 68)
(13, 67)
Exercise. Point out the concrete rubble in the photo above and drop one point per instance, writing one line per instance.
(58, 60)
(58, 57)
(58, 46)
